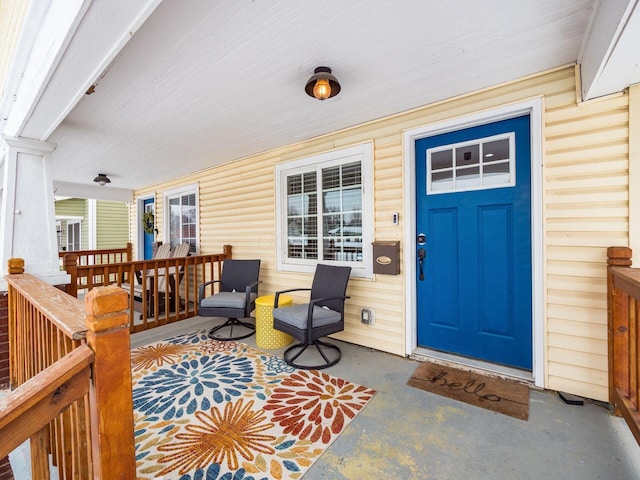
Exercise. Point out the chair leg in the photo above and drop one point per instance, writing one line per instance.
(294, 351)
(232, 322)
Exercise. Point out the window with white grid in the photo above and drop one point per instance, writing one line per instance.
(181, 217)
(325, 210)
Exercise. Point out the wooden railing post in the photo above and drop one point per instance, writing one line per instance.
(618, 324)
(226, 249)
(129, 252)
(71, 267)
(15, 266)
(112, 441)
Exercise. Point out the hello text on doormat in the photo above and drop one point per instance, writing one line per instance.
(496, 394)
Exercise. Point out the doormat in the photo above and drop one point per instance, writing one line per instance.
(496, 394)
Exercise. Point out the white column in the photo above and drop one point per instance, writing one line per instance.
(27, 214)
(92, 220)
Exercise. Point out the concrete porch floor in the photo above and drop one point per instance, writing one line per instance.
(407, 433)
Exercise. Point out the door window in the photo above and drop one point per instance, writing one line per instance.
(473, 165)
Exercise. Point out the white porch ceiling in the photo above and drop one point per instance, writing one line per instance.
(201, 83)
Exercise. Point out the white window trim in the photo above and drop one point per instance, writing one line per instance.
(362, 152)
(184, 190)
(70, 222)
(92, 215)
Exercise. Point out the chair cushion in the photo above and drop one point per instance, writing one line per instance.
(297, 316)
(227, 300)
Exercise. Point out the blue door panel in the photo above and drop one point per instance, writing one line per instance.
(495, 248)
(444, 221)
(148, 204)
(476, 296)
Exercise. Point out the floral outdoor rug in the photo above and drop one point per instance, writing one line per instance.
(212, 410)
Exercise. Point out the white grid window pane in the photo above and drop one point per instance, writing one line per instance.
(474, 165)
(183, 221)
(342, 212)
(302, 216)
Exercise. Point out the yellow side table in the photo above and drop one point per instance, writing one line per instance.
(266, 335)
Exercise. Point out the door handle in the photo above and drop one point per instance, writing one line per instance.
(422, 253)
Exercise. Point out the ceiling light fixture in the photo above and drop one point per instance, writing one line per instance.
(322, 84)
(102, 179)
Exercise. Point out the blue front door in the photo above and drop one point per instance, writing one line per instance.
(473, 214)
(149, 206)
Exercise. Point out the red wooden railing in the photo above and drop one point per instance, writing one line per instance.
(101, 257)
(70, 375)
(623, 301)
(152, 302)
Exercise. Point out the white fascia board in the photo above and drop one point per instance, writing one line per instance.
(46, 33)
(609, 57)
(72, 48)
(77, 190)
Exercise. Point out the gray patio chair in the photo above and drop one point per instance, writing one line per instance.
(235, 300)
(322, 316)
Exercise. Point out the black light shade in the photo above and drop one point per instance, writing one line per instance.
(102, 179)
(322, 84)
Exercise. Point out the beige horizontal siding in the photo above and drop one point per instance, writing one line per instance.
(12, 13)
(586, 209)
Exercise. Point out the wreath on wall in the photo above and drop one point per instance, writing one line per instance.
(148, 222)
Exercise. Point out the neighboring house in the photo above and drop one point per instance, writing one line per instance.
(497, 142)
(87, 224)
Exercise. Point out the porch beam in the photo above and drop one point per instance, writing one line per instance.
(76, 190)
(67, 54)
(609, 57)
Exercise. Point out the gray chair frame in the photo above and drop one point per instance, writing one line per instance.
(236, 276)
(328, 289)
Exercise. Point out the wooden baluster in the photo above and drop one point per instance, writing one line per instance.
(71, 267)
(112, 440)
(15, 266)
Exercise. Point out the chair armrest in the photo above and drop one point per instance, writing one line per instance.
(203, 286)
(320, 300)
(249, 288)
(277, 298)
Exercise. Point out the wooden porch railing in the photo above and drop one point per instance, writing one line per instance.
(101, 257)
(623, 292)
(70, 374)
(160, 291)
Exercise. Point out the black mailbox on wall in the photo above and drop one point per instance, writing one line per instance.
(386, 257)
